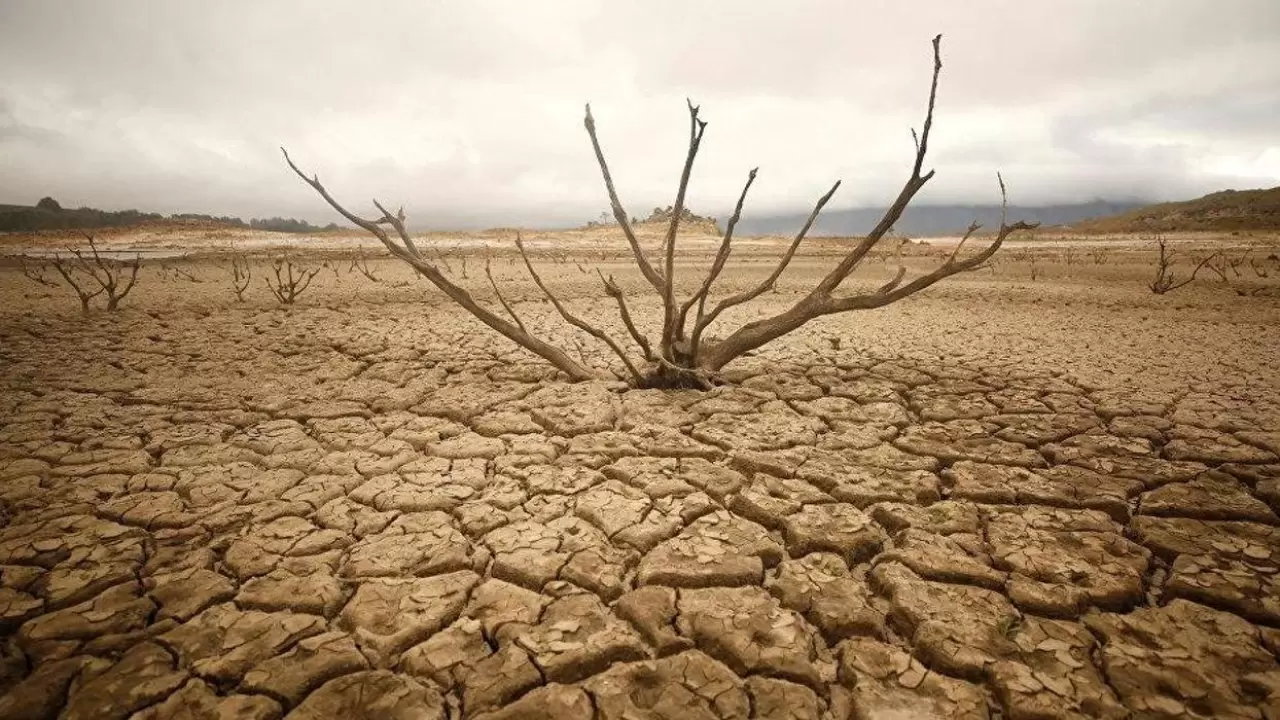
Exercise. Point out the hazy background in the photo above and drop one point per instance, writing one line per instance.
(470, 113)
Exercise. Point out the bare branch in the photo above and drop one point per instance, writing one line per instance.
(889, 286)
(360, 264)
(908, 192)
(366, 225)
(1164, 280)
(573, 319)
(973, 228)
(722, 256)
(812, 305)
(91, 268)
(35, 272)
(114, 298)
(107, 273)
(66, 270)
(241, 274)
(287, 287)
(768, 282)
(902, 269)
(951, 267)
(670, 330)
(502, 300)
(754, 334)
(397, 222)
(1218, 264)
(922, 147)
(612, 290)
(550, 353)
(653, 276)
(893, 291)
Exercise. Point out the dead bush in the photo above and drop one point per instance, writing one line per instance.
(1164, 280)
(88, 276)
(289, 280)
(241, 274)
(685, 353)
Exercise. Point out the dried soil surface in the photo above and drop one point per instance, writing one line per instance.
(999, 498)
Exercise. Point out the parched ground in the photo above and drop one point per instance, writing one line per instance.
(1005, 497)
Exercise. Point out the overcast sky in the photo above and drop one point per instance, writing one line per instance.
(470, 113)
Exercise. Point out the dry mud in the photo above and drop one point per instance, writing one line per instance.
(1000, 498)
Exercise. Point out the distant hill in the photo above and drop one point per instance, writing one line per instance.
(690, 222)
(49, 215)
(1221, 211)
(924, 220)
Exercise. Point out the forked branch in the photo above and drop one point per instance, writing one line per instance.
(77, 281)
(360, 263)
(407, 251)
(574, 320)
(1164, 280)
(768, 283)
(722, 256)
(488, 272)
(241, 274)
(612, 289)
(671, 331)
(290, 280)
(619, 213)
(109, 273)
(35, 271)
(82, 273)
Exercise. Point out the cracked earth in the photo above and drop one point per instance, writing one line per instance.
(996, 499)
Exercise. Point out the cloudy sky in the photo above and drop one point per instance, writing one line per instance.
(470, 113)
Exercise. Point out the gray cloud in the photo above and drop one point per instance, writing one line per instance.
(470, 113)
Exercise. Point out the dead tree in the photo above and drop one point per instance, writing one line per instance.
(108, 273)
(290, 280)
(685, 353)
(78, 282)
(241, 274)
(1164, 280)
(82, 273)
